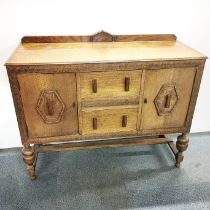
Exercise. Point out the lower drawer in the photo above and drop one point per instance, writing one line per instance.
(109, 120)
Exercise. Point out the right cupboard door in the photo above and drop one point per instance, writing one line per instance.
(167, 94)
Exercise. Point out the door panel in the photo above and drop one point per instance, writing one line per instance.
(49, 102)
(167, 95)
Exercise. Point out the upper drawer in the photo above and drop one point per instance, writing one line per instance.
(118, 84)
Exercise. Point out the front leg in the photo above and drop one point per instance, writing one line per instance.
(29, 159)
(181, 145)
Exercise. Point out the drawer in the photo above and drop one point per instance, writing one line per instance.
(118, 84)
(106, 120)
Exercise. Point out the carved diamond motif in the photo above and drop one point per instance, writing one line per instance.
(166, 99)
(50, 106)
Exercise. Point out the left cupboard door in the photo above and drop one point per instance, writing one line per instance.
(49, 103)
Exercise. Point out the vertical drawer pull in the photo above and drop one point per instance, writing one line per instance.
(94, 85)
(127, 83)
(124, 120)
(50, 104)
(168, 101)
(145, 100)
(94, 123)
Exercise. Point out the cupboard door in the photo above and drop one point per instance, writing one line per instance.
(167, 95)
(49, 103)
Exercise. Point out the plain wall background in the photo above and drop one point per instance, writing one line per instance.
(188, 19)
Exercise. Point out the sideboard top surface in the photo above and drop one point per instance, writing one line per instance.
(41, 51)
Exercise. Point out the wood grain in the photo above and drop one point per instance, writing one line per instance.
(153, 83)
(110, 102)
(92, 38)
(31, 86)
(104, 86)
(52, 69)
(181, 145)
(107, 66)
(96, 136)
(141, 101)
(108, 120)
(100, 52)
(29, 158)
(110, 85)
(194, 95)
(103, 144)
(79, 103)
(102, 36)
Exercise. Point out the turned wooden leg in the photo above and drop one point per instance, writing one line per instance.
(181, 145)
(29, 159)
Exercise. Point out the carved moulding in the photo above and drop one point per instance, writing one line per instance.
(102, 36)
(166, 99)
(87, 67)
(50, 106)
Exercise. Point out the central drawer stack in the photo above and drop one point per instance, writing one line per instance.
(108, 101)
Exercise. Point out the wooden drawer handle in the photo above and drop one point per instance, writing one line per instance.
(94, 85)
(124, 120)
(168, 101)
(94, 123)
(50, 103)
(127, 83)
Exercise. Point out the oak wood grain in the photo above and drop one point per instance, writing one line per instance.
(194, 94)
(110, 135)
(106, 66)
(98, 37)
(15, 89)
(100, 52)
(110, 85)
(31, 87)
(103, 144)
(154, 65)
(79, 103)
(104, 86)
(108, 119)
(110, 102)
(92, 38)
(141, 100)
(183, 82)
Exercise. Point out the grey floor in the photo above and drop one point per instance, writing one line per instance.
(141, 177)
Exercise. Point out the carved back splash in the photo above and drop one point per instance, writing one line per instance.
(101, 36)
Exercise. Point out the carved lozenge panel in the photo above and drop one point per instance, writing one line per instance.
(50, 106)
(166, 99)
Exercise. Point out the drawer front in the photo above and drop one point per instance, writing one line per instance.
(118, 84)
(109, 120)
(167, 94)
(49, 103)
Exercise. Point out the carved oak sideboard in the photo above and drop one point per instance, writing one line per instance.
(78, 92)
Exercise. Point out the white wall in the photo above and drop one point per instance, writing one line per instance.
(188, 19)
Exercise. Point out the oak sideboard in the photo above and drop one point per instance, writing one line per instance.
(85, 92)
